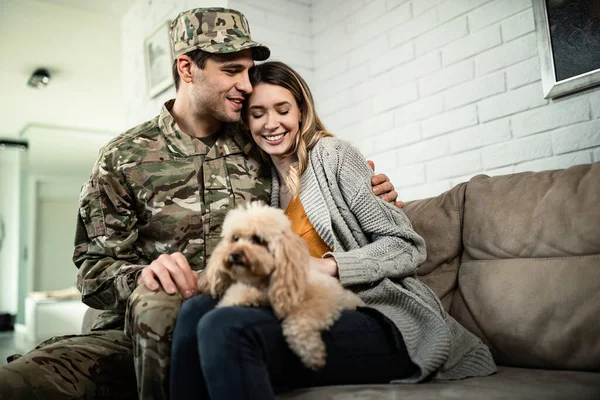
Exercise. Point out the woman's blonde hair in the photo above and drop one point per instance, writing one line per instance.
(311, 128)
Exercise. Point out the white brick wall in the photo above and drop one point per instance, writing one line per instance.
(478, 105)
(595, 101)
(495, 11)
(446, 78)
(504, 56)
(517, 25)
(473, 44)
(556, 115)
(441, 35)
(450, 121)
(433, 91)
(576, 137)
(474, 90)
(522, 73)
(516, 151)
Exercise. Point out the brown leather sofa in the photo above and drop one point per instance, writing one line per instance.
(516, 260)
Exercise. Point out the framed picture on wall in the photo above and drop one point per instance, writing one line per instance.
(568, 35)
(158, 60)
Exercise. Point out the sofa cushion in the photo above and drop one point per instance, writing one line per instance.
(538, 313)
(533, 214)
(439, 221)
(529, 282)
(508, 383)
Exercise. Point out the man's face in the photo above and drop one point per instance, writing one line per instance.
(220, 88)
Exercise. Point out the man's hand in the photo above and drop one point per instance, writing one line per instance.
(383, 187)
(173, 273)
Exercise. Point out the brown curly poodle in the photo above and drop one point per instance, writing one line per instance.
(261, 262)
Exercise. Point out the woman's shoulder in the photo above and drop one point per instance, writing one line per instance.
(331, 142)
(332, 146)
(332, 152)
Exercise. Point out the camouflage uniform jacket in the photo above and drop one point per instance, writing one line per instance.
(155, 190)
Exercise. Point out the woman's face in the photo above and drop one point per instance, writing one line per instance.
(273, 118)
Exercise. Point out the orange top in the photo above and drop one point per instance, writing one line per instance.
(301, 225)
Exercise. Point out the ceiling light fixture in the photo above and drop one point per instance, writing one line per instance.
(17, 144)
(39, 79)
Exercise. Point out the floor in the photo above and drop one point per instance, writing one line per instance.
(10, 345)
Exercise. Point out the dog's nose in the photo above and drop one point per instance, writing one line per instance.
(236, 257)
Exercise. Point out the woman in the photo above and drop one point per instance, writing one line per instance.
(323, 184)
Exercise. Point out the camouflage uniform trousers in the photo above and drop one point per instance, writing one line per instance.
(94, 366)
(102, 364)
(150, 321)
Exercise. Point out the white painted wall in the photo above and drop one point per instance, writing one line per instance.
(82, 51)
(438, 91)
(9, 212)
(55, 180)
(56, 215)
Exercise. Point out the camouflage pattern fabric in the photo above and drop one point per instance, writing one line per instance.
(215, 30)
(99, 364)
(154, 190)
(150, 321)
(157, 190)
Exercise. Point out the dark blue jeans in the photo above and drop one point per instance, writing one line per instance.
(240, 353)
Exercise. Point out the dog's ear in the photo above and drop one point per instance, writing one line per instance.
(288, 282)
(216, 280)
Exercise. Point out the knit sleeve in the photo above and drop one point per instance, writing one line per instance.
(395, 249)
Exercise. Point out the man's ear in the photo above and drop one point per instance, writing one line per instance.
(184, 68)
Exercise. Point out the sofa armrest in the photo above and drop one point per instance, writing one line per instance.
(439, 221)
(88, 320)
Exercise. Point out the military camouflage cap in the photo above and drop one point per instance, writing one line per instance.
(215, 30)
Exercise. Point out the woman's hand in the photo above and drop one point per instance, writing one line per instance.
(327, 265)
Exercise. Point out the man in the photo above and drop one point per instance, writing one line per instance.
(151, 215)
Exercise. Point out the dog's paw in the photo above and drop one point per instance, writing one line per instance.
(351, 301)
(315, 361)
(256, 303)
(242, 295)
(308, 345)
(228, 301)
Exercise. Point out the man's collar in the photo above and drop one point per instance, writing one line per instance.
(231, 138)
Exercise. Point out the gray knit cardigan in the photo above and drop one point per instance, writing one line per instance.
(378, 254)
